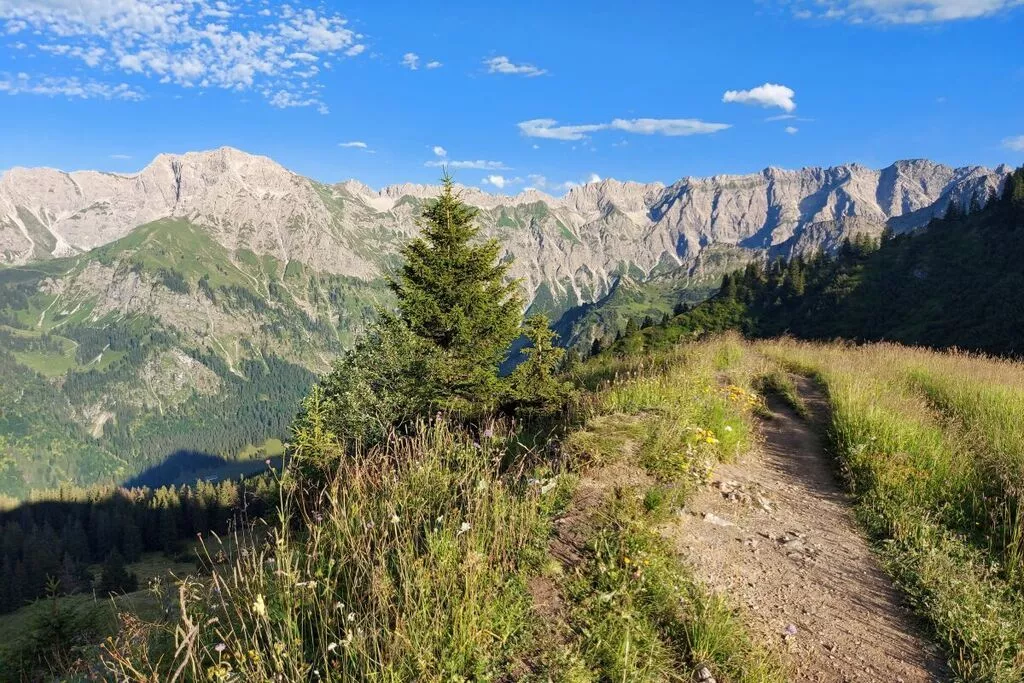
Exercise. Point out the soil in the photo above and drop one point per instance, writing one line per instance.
(776, 534)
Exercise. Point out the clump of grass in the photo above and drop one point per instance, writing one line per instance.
(781, 384)
(930, 455)
(642, 617)
(691, 413)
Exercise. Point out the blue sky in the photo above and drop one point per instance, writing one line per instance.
(513, 94)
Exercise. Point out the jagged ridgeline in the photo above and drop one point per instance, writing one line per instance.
(958, 282)
(191, 305)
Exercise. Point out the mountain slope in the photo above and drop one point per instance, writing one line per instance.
(956, 283)
(574, 245)
(190, 305)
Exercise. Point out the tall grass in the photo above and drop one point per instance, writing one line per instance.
(407, 564)
(930, 484)
(685, 399)
(991, 415)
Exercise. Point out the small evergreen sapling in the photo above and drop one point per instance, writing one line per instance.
(537, 387)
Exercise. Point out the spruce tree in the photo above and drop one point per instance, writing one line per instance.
(536, 386)
(454, 295)
(115, 577)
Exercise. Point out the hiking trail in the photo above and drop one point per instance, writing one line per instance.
(776, 534)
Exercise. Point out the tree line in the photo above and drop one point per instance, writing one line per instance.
(51, 543)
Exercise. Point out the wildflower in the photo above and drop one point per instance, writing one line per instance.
(351, 616)
(394, 519)
(728, 428)
(220, 647)
(331, 647)
(489, 433)
(466, 526)
(259, 606)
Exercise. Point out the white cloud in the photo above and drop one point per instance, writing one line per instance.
(670, 127)
(131, 63)
(496, 180)
(478, 165)
(792, 130)
(193, 43)
(120, 157)
(502, 65)
(74, 88)
(767, 95)
(549, 128)
(411, 61)
(1015, 143)
(781, 117)
(440, 151)
(903, 11)
(357, 144)
(434, 65)
(537, 181)
(285, 99)
(593, 178)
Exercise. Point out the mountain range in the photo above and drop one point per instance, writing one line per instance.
(190, 305)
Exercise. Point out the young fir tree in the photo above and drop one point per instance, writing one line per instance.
(115, 577)
(536, 385)
(453, 294)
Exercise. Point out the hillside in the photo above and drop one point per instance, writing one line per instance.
(955, 283)
(190, 305)
(651, 535)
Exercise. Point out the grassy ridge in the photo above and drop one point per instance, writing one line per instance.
(670, 417)
(419, 559)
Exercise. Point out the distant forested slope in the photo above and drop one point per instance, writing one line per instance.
(959, 282)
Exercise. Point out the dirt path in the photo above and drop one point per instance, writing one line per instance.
(777, 535)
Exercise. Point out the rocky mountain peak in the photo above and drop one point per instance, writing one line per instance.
(574, 244)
